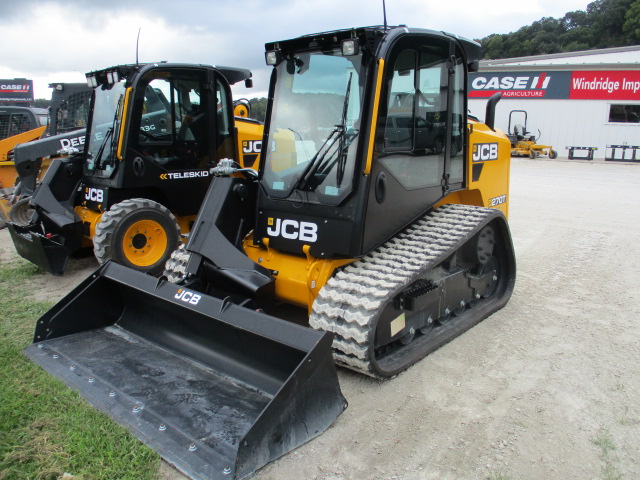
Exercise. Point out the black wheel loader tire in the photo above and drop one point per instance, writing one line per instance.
(137, 233)
(21, 212)
(553, 154)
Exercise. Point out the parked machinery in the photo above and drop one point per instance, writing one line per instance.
(135, 184)
(17, 125)
(391, 245)
(28, 155)
(523, 144)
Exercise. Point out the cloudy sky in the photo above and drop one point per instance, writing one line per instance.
(58, 41)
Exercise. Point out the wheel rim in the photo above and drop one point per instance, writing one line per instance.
(492, 287)
(21, 213)
(144, 243)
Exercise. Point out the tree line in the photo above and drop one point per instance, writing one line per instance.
(605, 23)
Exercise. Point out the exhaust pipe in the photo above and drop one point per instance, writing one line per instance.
(490, 115)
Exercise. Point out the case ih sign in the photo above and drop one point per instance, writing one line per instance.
(552, 85)
(16, 90)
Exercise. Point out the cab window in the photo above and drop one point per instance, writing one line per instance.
(174, 121)
(414, 115)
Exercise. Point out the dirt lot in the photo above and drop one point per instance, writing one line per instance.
(549, 387)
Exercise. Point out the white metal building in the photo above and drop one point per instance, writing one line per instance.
(588, 99)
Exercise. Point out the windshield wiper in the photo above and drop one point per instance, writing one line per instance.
(98, 157)
(322, 165)
(107, 136)
(317, 160)
(342, 152)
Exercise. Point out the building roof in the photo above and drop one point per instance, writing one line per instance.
(617, 58)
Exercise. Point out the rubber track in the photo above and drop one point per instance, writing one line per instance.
(351, 301)
(175, 268)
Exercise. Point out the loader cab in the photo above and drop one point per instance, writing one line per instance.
(378, 120)
(17, 120)
(159, 127)
(69, 107)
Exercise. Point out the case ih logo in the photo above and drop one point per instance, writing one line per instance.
(558, 85)
(14, 88)
(526, 85)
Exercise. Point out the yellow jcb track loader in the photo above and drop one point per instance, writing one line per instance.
(391, 236)
(135, 185)
(523, 144)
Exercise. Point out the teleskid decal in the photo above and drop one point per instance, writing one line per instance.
(183, 175)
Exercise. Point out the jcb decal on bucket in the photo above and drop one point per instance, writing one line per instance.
(187, 296)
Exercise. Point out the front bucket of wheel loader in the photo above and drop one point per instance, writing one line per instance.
(217, 389)
(49, 253)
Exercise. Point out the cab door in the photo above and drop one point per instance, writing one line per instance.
(417, 156)
(181, 126)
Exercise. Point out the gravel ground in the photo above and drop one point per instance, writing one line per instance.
(548, 387)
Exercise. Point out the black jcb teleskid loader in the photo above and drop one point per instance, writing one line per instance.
(135, 185)
(383, 221)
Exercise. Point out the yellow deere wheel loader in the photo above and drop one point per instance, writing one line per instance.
(154, 131)
(17, 125)
(389, 235)
(24, 158)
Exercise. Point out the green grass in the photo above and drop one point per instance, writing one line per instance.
(498, 476)
(604, 441)
(46, 429)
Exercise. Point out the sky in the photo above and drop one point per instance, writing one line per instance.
(59, 41)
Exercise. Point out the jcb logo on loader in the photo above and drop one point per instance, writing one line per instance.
(485, 151)
(251, 146)
(188, 297)
(94, 194)
(292, 229)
